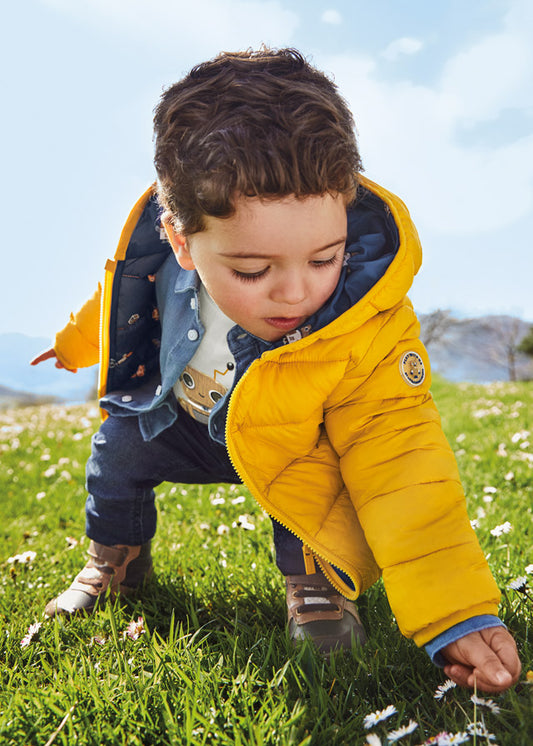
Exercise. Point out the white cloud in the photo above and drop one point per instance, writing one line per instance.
(331, 16)
(404, 46)
(202, 26)
(490, 76)
(409, 134)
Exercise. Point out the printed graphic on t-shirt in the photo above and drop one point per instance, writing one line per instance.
(209, 375)
(199, 392)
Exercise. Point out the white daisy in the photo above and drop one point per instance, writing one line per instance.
(373, 739)
(395, 735)
(33, 629)
(489, 703)
(447, 739)
(503, 528)
(244, 522)
(24, 559)
(479, 729)
(135, 629)
(378, 716)
(443, 688)
(520, 584)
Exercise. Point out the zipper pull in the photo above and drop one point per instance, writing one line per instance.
(309, 560)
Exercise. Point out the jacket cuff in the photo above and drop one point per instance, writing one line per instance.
(474, 624)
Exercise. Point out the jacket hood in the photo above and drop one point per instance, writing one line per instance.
(385, 252)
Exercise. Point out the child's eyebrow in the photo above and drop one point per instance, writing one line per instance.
(251, 255)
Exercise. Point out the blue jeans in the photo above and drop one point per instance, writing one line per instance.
(123, 470)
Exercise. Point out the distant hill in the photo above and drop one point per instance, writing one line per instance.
(16, 350)
(479, 350)
(475, 350)
(10, 397)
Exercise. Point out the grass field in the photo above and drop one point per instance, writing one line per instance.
(204, 657)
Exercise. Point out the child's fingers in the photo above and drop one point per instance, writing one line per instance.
(49, 355)
(46, 355)
(487, 660)
(504, 646)
(468, 677)
(64, 367)
(458, 673)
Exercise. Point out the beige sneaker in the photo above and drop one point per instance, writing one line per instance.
(320, 613)
(120, 568)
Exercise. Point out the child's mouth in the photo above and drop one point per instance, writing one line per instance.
(285, 323)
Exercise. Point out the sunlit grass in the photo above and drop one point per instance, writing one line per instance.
(213, 663)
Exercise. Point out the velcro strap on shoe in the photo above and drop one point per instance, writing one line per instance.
(114, 556)
(93, 586)
(311, 598)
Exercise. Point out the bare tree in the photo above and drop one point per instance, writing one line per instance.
(505, 334)
(435, 325)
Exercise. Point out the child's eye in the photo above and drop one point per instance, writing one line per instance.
(249, 276)
(326, 262)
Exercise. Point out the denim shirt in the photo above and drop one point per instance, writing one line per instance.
(154, 401)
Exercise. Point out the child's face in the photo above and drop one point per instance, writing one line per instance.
(273, 263)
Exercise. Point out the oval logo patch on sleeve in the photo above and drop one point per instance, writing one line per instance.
(412, 368)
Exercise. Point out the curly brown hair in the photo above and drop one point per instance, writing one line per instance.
(259, 123)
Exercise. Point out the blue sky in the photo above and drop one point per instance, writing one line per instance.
(441, 92)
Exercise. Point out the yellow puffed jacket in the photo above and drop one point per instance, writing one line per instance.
(337, 437)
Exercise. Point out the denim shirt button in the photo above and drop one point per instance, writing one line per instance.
(158, 390)
(192, 334)
(193, 304)
(127, 398)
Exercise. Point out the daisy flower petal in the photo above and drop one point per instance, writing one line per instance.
(520, 584)
(135, 629)
(395, 735)
(488, 703)
(443, 688)
(33, 629)
(378, 716)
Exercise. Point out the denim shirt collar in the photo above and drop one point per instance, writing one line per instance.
(187, 279)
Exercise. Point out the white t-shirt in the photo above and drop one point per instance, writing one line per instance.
(211, 370)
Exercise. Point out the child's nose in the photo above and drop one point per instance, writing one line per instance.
(289, 289)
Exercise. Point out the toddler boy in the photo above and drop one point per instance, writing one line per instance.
(280, 350)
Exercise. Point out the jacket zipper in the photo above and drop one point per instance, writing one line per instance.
(318, 556)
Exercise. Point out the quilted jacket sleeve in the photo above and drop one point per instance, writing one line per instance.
(404, 484)
(77, 344)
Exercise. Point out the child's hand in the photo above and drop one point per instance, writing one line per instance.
(487, 659)
(47, 355)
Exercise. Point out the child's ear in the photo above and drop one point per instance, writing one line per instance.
(179, 246)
